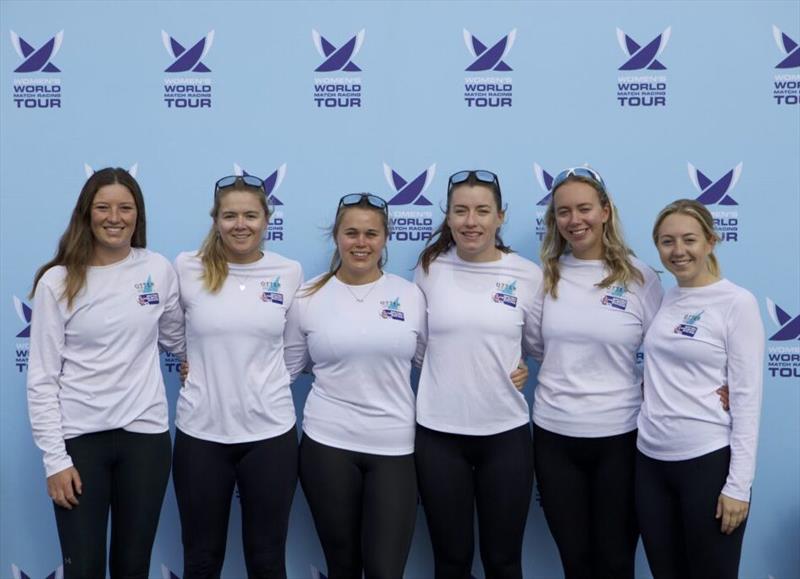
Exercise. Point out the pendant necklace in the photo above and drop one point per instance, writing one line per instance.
(366, 295)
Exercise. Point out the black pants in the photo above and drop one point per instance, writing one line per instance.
(125, 473)
(364, 508)
(587, 491)
(458, 473)
(204, 474)
(676, 503)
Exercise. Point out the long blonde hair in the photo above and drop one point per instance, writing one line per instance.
(702, 215)
(616, 253)
(212, 252)
(77, 242)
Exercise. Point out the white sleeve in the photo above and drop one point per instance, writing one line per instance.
(745, 349)
(652, 294)
(532, 341)
(295, 346)
(422, 336)
(44, 368)
(171, 331)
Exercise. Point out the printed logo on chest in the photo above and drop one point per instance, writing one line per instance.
(390, 310)
(505, 293)
(689, 326)
(615, 298)
(147, 296)
(271, 291)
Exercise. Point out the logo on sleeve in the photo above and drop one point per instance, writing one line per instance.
(272, 291)
(615, 297)
(504, 294)
(688, 327)
(390, 310)
(147, 297)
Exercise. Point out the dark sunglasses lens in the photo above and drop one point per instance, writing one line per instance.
(226, 182)
(376, 201)
(251, 181)
(485, 176)
(352, 199)
(459, 177)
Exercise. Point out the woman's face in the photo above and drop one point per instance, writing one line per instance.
(360, 240)
(113, 220)
(580, 218)
(474, 218)
(684, 250)
(241, 223)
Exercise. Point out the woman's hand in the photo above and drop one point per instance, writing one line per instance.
(520, 375)
(64, 486)
(184, 371)
(732, 512)
(724, 397)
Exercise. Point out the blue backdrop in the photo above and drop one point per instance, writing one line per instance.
(665, 99)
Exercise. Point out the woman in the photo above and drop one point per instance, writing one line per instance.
(696, 461)
(360, 328)
(473, 445)
(235, 416)
(597, 303)
(96, 396)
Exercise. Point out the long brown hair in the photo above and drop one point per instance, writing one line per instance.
(336, 258)
(702, 215)
(77, 242)
(212, 252)
(442, 239)
(616, 254)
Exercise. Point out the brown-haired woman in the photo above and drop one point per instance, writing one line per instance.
(361, 328)
(96, 397)
(473, 440)
(597, 304)
(696, 462)
(235, 415)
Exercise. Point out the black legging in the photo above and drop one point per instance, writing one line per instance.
(586, 487)
(204, 474)
(459, 472)
(125, 472)
(364, 508)
(676, 503)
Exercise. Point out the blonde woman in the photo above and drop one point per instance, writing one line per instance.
(696, 461)
(597, 303)
(235, 416)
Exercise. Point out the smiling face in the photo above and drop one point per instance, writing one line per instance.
(684, 250)
(474, 218)
(360, 238)
(241, 223)
(580, 217)
(113, 222)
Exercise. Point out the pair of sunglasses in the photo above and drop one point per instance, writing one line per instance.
(354, 199)
(585, 172)
(231, 180)
(480, 175)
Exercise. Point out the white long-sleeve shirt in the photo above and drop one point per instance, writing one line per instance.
(361, 398)
(700, 339)
(480, 317)
(95, 366)
(237, 389)
(589, 385)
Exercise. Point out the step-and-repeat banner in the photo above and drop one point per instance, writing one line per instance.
(666, 99)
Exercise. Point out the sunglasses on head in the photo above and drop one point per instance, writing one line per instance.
(354, 199)
(585, 172)
(479, 175)
(231, 180)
